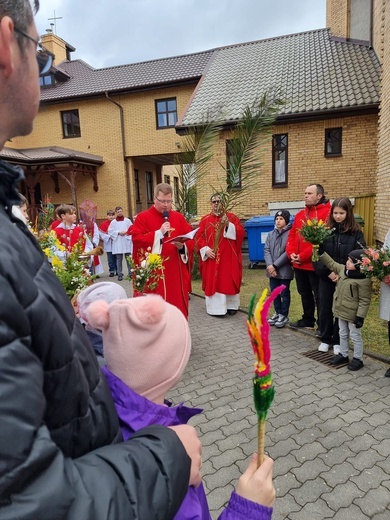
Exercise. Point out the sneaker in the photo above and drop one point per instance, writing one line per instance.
(339, 360)
(324, 347)
(111, 275)
(355, 364)
(273, 319)
(301, 324)
(282, 321)
(120, 278)
(317, 334)
(336, 349)
(387, 373)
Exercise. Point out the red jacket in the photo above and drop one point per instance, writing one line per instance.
(297, 244)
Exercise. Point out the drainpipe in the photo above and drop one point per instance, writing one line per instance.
(129, 205)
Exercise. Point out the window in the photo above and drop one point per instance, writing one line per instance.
(136, 185)
(280, 160)
(149, 187)
(167, 179)
(233, 170)
(166, 113)
(176, 185)
(46, 81)
(333, 141)
(70, 123)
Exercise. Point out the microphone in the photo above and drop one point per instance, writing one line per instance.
(165, 214)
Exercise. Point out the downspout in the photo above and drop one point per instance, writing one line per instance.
(127, 173)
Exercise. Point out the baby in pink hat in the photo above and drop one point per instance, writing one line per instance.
(147, 345)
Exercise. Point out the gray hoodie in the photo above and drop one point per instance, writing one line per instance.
(275, 253)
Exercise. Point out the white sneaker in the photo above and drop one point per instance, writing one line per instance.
(336, 349)
(324, 347)
(282, 321)
(273, 319)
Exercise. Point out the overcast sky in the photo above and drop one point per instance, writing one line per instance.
(115, 32)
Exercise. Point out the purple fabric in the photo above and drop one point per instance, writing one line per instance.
(239, 508)
(136, 412)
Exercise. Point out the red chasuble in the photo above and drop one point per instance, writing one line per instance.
(224, 273)
(175, 286)
(70, 237)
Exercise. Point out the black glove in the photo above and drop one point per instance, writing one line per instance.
(358, 322)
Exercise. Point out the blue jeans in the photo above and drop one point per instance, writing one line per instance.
(111, 260)
(281, 302)
(119, 260)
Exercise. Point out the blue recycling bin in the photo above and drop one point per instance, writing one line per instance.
(257, 229)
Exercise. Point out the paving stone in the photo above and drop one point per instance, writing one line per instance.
(336, 455)
(309, 451)
(284, 483)
(310, 470)
(317, 510)
(284, 465)
(227, 458)
(327, 429)
(283, 447)
(310, 491)
(284, 507)
(342, 495)
(339, 474)
(351, 512)
(365, 459)
(371, 479)
(374, 502)
(333, 439)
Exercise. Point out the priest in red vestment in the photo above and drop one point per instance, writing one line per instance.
(150, 231)
(219, 241)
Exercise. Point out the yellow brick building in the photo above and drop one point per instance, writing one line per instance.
(107, 134)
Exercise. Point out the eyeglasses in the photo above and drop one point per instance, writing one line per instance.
(44, 59)
(164, 201)
(215, 201)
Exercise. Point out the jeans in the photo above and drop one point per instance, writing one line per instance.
(328, 325)
(119, 260)
(307, 285)
(349, 329)
(282, 301)
(111, 260)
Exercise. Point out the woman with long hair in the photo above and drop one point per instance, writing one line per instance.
(347, 237)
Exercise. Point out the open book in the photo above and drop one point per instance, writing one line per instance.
(183, 238)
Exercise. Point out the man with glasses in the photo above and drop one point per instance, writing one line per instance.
(150, 231)
(219, 241)
(61, 449)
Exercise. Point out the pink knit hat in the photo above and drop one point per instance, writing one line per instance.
(146, 342)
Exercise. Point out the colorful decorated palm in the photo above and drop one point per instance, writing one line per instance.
(263, 389)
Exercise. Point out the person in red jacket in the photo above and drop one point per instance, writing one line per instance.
(300, 251)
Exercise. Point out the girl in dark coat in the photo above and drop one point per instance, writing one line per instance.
(347, 237)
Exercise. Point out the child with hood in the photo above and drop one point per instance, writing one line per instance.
(147, 345)
(351, 302)
(279, 268)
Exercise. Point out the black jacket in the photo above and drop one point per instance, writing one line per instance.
(338, 246)
(59, 432)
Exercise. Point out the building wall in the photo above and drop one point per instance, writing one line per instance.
(382, 220)
(378, 27)
(351, 175)
(337, 17)
(101, 135)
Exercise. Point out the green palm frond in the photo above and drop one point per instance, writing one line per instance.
(192, 163)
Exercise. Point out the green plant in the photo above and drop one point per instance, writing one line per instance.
(147, 273)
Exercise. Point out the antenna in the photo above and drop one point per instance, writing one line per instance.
(55, 18)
